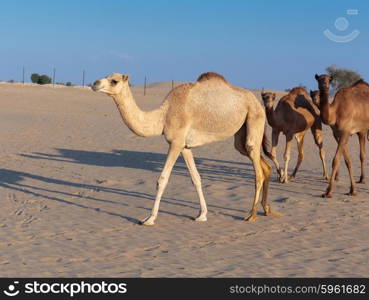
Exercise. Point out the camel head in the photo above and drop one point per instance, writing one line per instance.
(314, 95)
(324, 81)
(112, 84)
(268, 99)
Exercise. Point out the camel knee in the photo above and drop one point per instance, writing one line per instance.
(162, 182)
(319, 141)
(249, 149)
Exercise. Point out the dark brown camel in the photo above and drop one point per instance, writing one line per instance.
(348, 114)
(293, 116)
(314, 95)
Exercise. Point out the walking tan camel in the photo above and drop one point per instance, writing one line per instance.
(195, 114)
(361, 136)
(293, 116)
(348, 114)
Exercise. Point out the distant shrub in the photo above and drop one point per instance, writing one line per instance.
(342, 77)
(44, 79)
(69, 84)
(40, 79)
(11, 81)
(35, 77)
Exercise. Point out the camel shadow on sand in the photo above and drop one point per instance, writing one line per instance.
(52, 188)
(211, 169)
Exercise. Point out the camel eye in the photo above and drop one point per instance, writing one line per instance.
(114, 82)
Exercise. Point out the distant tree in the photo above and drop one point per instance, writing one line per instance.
(35, 77)
(44, 79)
(40, 79)
(342, 77)
(11, 81)
(68, 83)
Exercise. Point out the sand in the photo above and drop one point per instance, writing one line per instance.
(75, 181)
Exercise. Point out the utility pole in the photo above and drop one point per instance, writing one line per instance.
(23, 76)
(83, 78)
(54, 70)
(145, 87)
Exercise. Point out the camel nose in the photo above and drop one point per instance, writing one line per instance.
(95, 85)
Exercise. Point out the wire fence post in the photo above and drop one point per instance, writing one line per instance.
(23, 76)
(172, 84)
(83, 78)
(145, 87)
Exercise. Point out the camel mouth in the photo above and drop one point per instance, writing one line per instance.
(96, 89)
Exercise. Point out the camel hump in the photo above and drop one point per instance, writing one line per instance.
(298, 91)
(360, 81)
(210, 75)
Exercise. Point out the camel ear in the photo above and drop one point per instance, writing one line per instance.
(125, 77)
(316, 76)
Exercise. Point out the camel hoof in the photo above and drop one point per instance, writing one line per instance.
(273, 214)
(326, 177)
(149, 221)
(327, 195)
(351, 193)
(282, 179)
(201, 218)
(251, 218)
(362, 181)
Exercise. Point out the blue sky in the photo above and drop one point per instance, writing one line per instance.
(271, 44)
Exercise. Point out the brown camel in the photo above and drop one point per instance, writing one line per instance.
(347, 114)
(195, 114)
(293, 116)
(361, 136)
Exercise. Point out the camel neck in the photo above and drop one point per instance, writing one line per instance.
(142, 123)
(325, 109)
(269, 111)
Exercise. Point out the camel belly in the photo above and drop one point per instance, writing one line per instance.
(196, 138)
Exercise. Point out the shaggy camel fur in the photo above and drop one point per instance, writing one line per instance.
(192, 115)
(348, 114)
(293, 116)
(361, 135)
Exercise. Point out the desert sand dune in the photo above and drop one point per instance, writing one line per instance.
(75, 181)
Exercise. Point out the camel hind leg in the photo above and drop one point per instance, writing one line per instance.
(267, 171)
(249, 144)
(300, 146)
(273, 152)
(362, 137)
